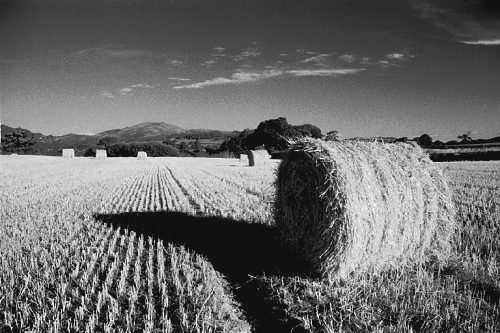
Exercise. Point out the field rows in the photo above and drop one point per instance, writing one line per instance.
(61, 269)
(71, 261)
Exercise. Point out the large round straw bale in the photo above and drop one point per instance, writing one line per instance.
(349, 207)
(142, 155)
(68, 153)
(101, 154)
(258, 157)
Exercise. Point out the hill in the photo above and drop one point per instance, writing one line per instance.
(147, 131)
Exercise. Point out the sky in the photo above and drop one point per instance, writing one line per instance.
(361, 67)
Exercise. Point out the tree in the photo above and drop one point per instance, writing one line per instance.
(425, 140)
(274, 133)
(466, 137)
(332, 136)
(308, 130)
(18, 141)
(107, 141)
(183, 146)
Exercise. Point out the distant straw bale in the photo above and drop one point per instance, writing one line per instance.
(68, 153)
(244, 158)
(142, 155)
(258, 157)
(101, 154)
(349, 207)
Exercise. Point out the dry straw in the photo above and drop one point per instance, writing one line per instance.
(142, 155)
(362, 206)
(68, 153)
(258, 157)
(101, 154)
(244, 158)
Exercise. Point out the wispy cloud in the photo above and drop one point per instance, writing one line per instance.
(106, 94)
(124, 91)
(349, 58)
(250, 77)
(397, 56)
(400, 56)
(482, 42)
(236, 78)
(179, 79)
(320, 58)
(325, 72)
(474, 22)
(127, 90)
(303, 63)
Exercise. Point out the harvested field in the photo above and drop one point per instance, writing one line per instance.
(184, 244)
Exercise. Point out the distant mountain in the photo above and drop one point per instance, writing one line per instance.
(147, 131)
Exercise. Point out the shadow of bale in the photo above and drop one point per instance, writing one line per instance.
(235, 248)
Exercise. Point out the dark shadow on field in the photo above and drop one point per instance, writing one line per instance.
(485, 287)
(237, 249)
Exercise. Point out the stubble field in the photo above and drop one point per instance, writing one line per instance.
(188, 245)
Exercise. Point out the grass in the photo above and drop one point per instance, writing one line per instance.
(63, 268)
(460, 296)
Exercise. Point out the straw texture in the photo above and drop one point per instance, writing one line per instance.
(258, 157)
(350, 207)
(244, 158)
(101, 154)
(68, 153)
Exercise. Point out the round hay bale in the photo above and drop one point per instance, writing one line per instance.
(101, 154)
(349, 207)
(142, 155)
(258, 157)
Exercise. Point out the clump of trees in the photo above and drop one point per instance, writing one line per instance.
(273, 134)
(18, 141)
(153, 149)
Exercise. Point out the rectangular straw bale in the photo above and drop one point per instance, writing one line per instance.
(142, 155)
(68, 153)
(244, 158)
(101, 154)
(258, 157)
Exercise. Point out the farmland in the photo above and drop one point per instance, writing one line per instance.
(188, 245)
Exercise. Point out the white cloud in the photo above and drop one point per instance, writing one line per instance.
(249, 77)
(318, 58)
(482, 42)
(141, 85)
(125, 90)
(179, 79)
(250, 52)
(106, 94)
(349, 58)
(236, 78)
(325, 72)
(396, 56)
(208, 62)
